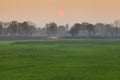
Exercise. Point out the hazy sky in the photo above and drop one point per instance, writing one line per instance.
(44, 11)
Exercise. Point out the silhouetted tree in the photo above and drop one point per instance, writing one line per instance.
(1, 28)
(116, 25)
(13, 28)
(61, 31)
(51, 28)
(27, 29)
(90, 29)
(75, 29)
(84, 28)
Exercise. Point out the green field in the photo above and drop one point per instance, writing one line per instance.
(60, 60)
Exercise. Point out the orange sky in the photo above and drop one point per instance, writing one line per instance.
(44, 11)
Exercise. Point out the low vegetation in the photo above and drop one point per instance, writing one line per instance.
(60, 60)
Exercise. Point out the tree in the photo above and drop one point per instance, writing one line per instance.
(84, 28)
(13, 28)
(66, 27)
(90, 28)
(116, 25)
(75, 29)
(61, 31)
(1, 29)
(51, 28)
(109, 30)
(27, 28)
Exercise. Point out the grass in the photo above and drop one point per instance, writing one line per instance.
(60, 60)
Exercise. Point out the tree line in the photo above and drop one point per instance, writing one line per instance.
(28, 29)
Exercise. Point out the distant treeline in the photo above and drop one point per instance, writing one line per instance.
(28, 30)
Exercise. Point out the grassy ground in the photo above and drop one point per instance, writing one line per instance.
(60, 60)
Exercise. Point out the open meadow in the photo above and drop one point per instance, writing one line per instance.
(60, 60)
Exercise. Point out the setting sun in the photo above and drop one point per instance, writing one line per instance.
(60, 12)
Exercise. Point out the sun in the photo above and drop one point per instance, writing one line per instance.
(60, 12)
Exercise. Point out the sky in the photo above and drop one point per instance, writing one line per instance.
(60, 11)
